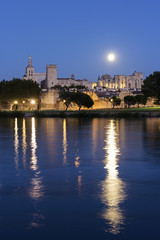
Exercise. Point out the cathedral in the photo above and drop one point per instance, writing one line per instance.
(48, 79)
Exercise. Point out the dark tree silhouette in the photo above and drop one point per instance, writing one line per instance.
(81, 99)
(151, 87)
(141, 99)
(115, 101)
(130, 100)
(18, 90)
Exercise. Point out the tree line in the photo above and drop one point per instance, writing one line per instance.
(17, 91)
(129, 100)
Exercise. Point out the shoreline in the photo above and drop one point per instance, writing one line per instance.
(100, 113)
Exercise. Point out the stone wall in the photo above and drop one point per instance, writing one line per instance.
(49, 100)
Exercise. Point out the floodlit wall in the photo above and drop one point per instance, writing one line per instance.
(50, 100)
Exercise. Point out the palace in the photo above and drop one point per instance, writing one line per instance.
(122, 82)
(49, 79)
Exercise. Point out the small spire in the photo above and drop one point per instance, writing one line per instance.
(29, 62)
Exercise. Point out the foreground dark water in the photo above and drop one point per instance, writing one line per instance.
(79, 178)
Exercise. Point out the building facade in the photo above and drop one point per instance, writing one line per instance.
(122, 82)
(49, 79)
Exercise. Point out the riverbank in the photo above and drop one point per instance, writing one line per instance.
(107, 113)
(137, 112)
(11, 114)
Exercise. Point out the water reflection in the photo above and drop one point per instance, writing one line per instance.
(64, 142)
(77, 162)
(37, 219)
(36, 189)
(16, 142)
(79, 180)
(33, 146)
(24, 142)
(113, 188)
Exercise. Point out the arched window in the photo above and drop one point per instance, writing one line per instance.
(129, 85)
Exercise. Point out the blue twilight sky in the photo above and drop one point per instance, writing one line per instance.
(77, 34)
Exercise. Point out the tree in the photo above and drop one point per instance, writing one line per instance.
(115, 101)
(151, 87)
(141, 99)
(78, 98)
(130, 100)
(66, 97)
(18, 90)
(82, 99)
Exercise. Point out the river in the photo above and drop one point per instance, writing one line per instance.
(79, 178)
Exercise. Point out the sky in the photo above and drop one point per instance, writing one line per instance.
(77, 35)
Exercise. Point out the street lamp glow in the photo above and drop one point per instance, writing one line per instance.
(33, 101)
(15, 102)
(111, 57)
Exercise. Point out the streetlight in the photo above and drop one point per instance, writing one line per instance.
(33, 101)
(16, 103)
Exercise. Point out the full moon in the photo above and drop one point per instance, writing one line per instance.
(111, 57)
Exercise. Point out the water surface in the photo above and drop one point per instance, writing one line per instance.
(79, 178)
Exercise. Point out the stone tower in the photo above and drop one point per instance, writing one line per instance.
(51, 76)
(29, 70)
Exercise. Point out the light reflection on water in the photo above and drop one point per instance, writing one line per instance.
(16, 143)
(64, 165)
(33, 163)
(36, 189)
(65, 145)
(24, 142)
(113, 188)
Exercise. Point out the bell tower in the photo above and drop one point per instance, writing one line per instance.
(29, 70)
